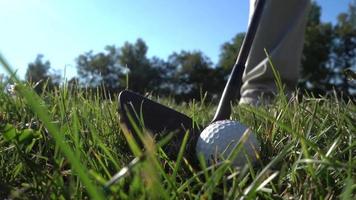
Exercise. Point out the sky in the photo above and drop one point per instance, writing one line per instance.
(61, 30)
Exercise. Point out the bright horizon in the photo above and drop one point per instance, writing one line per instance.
(62, 30)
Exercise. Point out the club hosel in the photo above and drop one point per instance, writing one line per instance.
(223, 110)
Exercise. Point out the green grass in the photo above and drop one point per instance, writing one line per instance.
(68, 143)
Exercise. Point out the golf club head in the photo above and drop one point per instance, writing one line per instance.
(158, 120)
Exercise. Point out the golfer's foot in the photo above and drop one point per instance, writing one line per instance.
(257, 98)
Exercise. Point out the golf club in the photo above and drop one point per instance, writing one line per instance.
(160, 120)
(233, 85)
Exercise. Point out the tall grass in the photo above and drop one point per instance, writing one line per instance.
(68, 143)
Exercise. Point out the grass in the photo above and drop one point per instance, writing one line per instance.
(67, 144)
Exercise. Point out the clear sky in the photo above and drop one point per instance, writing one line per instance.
(63, 29)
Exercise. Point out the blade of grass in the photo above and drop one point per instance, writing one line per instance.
(38, 106)
(252, 188)
(180, 155)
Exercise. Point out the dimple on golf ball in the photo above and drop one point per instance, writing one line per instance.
(220, 138)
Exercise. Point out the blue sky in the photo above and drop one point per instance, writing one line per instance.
(63, 29)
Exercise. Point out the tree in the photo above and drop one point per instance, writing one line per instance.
(142, 75)
(315, 73)
(100, 69)
(344, 50)
(229, 52)
(194, 74)
(38, 73)
(164, 82)
(328, 52)
(123, 67)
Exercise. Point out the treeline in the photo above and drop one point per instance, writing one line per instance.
(329, 55)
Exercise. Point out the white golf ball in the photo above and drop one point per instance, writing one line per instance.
(220, 138)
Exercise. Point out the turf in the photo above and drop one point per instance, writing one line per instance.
(67, 144)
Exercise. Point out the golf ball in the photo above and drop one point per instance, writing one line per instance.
(220, 138)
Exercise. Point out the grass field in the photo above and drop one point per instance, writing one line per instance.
(68, 143)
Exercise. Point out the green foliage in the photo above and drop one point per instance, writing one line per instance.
(194, 75)
(329, 50)
(229, 51)
(100, 69)
(143, 76)
(39, 75)
(120, 68)
(40, 109)
(307, 150)
(317, 48)
(344, 50)
(8, 132)
(20, 136)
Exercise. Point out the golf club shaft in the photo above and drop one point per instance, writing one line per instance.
(233, 85)
(124, 171)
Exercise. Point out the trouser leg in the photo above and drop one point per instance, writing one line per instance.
(281, 33)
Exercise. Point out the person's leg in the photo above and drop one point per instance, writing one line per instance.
(281, 33)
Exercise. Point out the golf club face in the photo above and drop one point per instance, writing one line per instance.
(158, 120)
